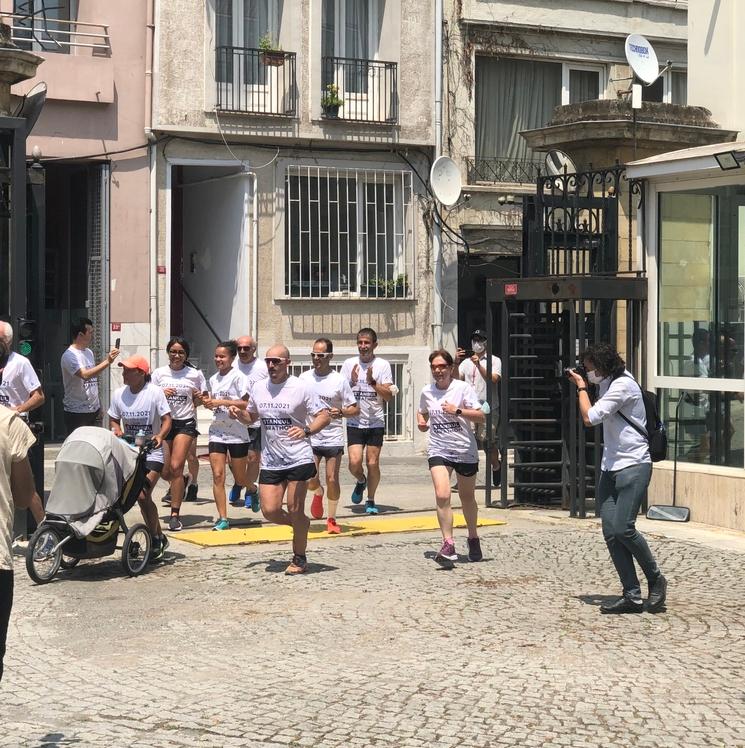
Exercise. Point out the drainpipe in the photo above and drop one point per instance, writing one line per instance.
(255, 257)
(150, 51)
(437, 231)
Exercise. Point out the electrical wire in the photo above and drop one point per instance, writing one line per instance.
(95, 155)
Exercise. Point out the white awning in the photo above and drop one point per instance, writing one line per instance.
(688, 160)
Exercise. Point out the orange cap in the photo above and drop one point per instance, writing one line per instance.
(136, 362)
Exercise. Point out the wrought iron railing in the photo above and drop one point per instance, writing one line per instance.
(256, 81)
(38, 33)
(496, 170)
(359, 90)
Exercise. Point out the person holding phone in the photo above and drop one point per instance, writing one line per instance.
(183, 385)
(80, 371)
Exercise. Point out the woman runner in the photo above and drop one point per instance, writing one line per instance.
(181, 384)
(447, 408)
(228, 435)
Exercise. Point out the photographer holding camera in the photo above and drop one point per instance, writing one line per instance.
(625, 473)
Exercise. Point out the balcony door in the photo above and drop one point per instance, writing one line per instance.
(351, 41)
(242, 73)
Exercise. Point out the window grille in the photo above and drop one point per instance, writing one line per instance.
(395, 420)
(348, 233)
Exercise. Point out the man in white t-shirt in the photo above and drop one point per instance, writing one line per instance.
(16, 492)
(20, 390)
(371, 380)
(473, 370)
(290, 414)
(253, 369)
(335, 391)
(80, 378)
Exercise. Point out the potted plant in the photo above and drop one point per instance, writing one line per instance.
(271, 54)
(388, 288)
(331, 101)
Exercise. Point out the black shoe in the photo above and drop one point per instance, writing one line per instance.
(657, 595)
(496, 478)
(191, 492)
(622, 605)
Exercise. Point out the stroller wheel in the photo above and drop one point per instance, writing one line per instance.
(42, 561)
(136, 549)
(69, 562)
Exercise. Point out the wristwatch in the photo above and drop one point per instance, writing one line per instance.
(306, 430)
(458, 412)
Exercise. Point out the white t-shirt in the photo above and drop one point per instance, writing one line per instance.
(224, 429)
(15, 441)
(450, 436)
(254, 370)
(187, 382)
(372, 405)
(143, 410)
(279, 407)
(81, 395)
(471, 374)
(623, 445)
(335, 392)
(19, 380)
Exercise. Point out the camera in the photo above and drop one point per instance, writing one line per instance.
(576, 370)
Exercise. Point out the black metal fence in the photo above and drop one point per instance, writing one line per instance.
(359, 90)
(256, 81)
(518, 171)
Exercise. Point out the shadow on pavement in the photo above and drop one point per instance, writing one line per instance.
(382, 508)
(55, 739)
(597, 600)
(276, 566)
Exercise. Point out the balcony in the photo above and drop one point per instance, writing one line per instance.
(367, 90)
(255, 81)
(503, 170)
(39, 34)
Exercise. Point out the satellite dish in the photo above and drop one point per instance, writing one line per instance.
(31, 106)
(559, 163)
(444, 179)
(642, 58)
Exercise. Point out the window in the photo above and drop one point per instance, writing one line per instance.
(679, 88)
(521, 94)
(348, 232)
(701, 276)
(44, 25)
(670, 88)
(395, 420)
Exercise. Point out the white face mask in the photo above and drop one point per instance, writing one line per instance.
(478, 346)
(594, 378)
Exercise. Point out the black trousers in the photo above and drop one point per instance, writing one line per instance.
(6, 603)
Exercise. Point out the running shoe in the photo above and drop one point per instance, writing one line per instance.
(159, 548)
(235, 495)
(174, 524)
(331, 527)
(167, 498)
(298, 565)
(474, 549)
(252, 500)
(446, 555)
(221, 524)
(316, 506)
(359, 489)
(370, 507)
(191, 492)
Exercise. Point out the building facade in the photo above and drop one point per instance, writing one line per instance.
(90, 138)
(294, 141)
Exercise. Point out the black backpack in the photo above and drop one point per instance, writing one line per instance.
(656, 436)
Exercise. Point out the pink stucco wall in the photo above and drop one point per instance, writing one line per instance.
(96, 104)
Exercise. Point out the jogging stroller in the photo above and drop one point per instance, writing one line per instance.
(97, 479)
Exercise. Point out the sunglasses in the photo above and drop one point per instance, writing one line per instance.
(246, 347)
(274, 361)
(319, 355)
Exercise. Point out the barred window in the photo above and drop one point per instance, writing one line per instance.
(348, 233)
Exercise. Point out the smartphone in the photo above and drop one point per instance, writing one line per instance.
(117, 342)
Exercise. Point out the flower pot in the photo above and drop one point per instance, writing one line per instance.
(331, 111)
(273, 58)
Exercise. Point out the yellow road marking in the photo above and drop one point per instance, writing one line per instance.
(350, 528)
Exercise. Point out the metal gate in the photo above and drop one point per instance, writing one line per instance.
(577, 289)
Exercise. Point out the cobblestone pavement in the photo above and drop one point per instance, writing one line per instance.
(378, 647)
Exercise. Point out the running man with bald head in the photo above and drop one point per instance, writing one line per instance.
(254, 370)
(290, 413)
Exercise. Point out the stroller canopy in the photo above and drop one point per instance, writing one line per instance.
(90, 470)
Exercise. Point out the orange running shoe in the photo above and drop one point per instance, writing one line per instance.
(331, 527)
(316, 506)
(298, 565)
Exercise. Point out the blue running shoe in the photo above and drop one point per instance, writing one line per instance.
(235, 495)
(370, 507)
(221, 524)
(252, 500)
(359, 489)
